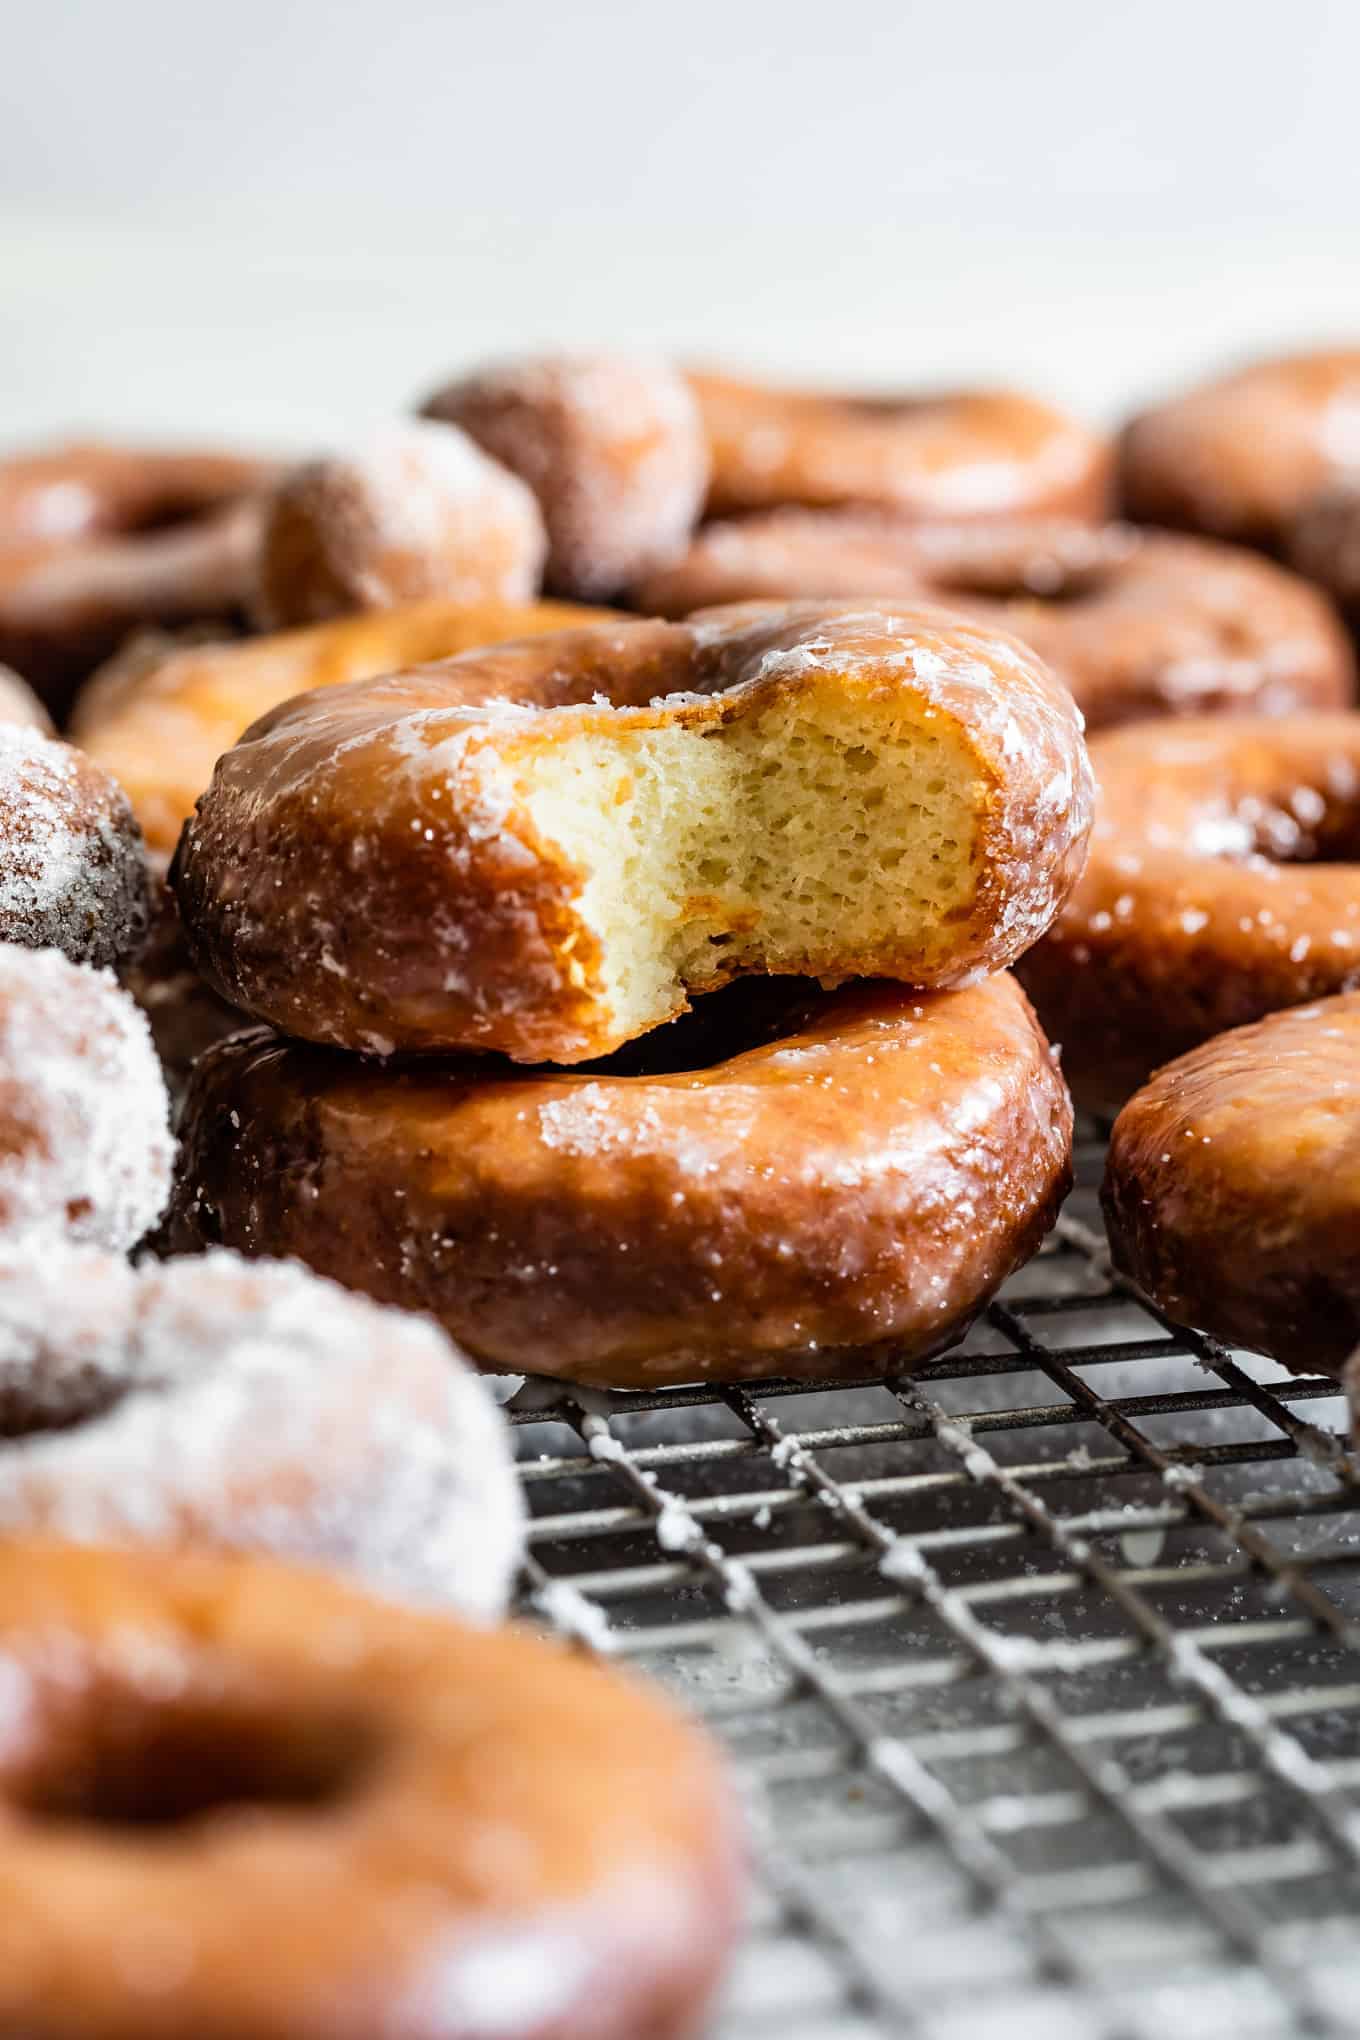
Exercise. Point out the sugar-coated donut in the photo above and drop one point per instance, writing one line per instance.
(784, 1182)
(1223, 882)
(1135, 624)
(543, 848)
(1240, 456)
(85, 1148)
(61, 495)
(613, 449)
(976, 453)
(72, 872)
(249, 1802)
(418, 513)
(19, 704)
(160, 715)
(250, 1407)
(1232, 1191)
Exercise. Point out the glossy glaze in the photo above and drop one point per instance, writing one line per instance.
(1223, 883)
(428, 1830)
(1232, 1193)
(861, 1180)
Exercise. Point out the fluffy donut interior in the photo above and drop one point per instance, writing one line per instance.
(814, 829)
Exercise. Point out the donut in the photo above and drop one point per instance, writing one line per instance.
(72, 873)
(1223, 882)
(786, 1182)
(160, 715)
(527, 850)
(243, 1407)
(1323, 544)
(1134, 624)
(613, 449)
(1232, 1191)
(246, 1800)
(949, 454)
(60, 495)
(65, 608)
(19, 704)
(85, 1147)
(416, 513)
(1239, 457)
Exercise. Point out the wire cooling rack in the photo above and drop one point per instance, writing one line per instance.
(1039, 1669)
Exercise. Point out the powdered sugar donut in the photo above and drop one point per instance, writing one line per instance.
(85, 1148)
(418, 512)
(72, 873)
(613, 449)
(251, 1408)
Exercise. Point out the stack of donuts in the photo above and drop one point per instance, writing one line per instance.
(609, 878)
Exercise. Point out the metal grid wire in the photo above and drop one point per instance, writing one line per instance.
(1040, 1668)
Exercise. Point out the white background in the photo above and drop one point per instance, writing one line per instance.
(281, 217)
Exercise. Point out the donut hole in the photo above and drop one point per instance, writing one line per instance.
(836, 822)
(126, 1763)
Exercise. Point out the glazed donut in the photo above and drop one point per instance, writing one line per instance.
(19, 704)
(72, 873)
(63, 494)
(1223, 882)
(250, 1408)
(966, 454)
(1134, 624)
(160, 715)
(1241, 456)
(1232, 1194)
(248, 1801)
(417, 513)
(849, 1190)
(65, 608)
(527, 850)
(85, 1147)
(614, 450)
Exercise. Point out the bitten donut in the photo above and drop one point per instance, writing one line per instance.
(72, 873)
(160, 715)
(613, 449)
(250, 1408)
(1135, 624)
(788, 1181)
(242, 1800)
(545, 847)
(953, 454)
(417, 513)
(1232, 1192)
(1223, 882)
(1241, 456)
(85, 1146)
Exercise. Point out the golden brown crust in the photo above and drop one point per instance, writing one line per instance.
(613, 449)
(417, 1827)
(1232, 1193)
(64, 494)
(160, 716)
(1238, 457)
(860, 1182)
(983, 453)
(416, 515)
(1137, 625)
(1223, 882)
(362, 872)
(65, 608)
